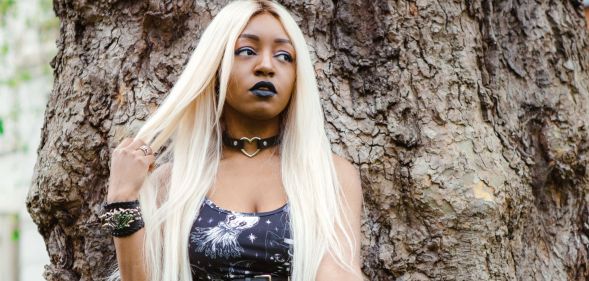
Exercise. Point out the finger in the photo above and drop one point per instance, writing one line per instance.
(150, 159)
(125, 142)
(136, 144)
(139, 153)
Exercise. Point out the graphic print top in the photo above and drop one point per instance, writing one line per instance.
(225, 244)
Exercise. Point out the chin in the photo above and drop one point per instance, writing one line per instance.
(262, 115)
(263, 111)
(258, 111)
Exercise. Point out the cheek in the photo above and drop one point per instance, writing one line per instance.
(230, 87)
(293, 74)
(235, 79)
(233, 88)
(290, 83)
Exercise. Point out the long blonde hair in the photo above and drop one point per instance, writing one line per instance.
(188, 124)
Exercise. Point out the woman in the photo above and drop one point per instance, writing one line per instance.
(246, 134)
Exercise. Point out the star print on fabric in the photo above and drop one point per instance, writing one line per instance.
(252, 237)
(270, 246)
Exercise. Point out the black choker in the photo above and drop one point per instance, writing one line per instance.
(240, 143)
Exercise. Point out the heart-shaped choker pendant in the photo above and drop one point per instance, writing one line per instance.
(240, 143)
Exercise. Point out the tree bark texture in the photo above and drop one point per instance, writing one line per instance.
(467, 119)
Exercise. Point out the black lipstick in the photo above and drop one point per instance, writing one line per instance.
(263, 89)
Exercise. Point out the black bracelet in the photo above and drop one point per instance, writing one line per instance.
(134, 227)
(123, 218)
(123, 205)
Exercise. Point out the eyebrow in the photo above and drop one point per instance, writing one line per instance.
(256, 38)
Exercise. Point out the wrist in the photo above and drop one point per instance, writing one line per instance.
(122, 218)
(121, 197)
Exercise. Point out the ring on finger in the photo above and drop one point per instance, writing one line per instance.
(146, 150)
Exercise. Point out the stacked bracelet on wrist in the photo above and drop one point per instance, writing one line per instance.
(123, 218)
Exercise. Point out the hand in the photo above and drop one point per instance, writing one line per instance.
(128, 169)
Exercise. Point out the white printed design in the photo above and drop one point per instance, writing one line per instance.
(221, 240)
(280, 242)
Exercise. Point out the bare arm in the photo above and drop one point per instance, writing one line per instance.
(349, 178)
(130, 249)
(129, 168)
(130, 256)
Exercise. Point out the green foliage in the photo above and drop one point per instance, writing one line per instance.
(1, 127)
(5, 5)
(16, 231)
(4, 49)
(25, 75)
(17, 79)
(15, 235)
(44, 22)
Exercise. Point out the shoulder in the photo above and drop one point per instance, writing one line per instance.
(344, 167)
(349, 178)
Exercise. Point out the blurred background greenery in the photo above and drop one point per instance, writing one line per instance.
(28, 30)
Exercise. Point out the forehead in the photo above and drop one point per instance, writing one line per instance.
(265, 25)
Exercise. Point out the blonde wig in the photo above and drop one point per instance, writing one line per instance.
(188, 124)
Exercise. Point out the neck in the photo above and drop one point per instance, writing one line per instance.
(238, 125)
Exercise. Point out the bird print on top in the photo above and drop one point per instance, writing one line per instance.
(225, 245)
(221, 240)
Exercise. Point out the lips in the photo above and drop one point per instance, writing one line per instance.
(263, 89)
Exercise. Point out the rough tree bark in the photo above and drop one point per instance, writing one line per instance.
(468, 120)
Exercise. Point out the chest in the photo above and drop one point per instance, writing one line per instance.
(248, 187)
(225, 244)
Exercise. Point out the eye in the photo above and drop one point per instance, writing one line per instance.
(242, 223)
(231, 217)
(245, 51)
(285, 57)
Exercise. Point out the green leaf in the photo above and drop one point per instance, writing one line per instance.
(12, 82)
(16, 235)
(25, 75)
(1, 126)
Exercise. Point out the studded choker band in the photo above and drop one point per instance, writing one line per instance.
(240, 143)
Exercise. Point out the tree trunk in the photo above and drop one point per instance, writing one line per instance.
(467, 119)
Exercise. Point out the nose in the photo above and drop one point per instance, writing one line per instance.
(265, 67)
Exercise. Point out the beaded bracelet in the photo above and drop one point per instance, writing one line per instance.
(123, 218)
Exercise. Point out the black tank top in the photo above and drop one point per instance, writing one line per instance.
(225, 244)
